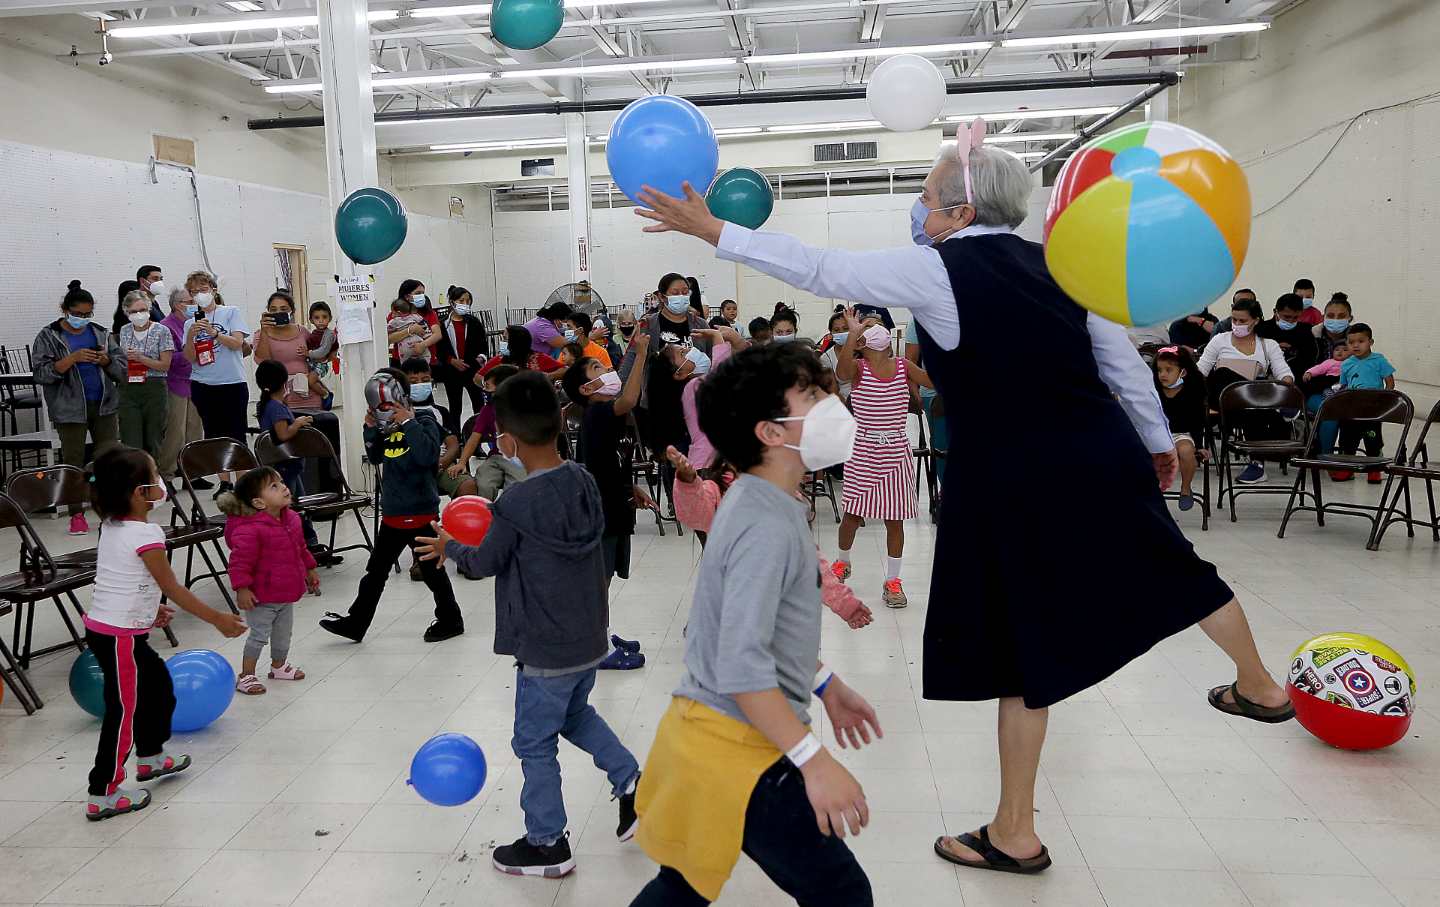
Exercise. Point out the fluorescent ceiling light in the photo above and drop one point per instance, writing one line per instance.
(739, 130)
(921, 49)
(1013, 138)
(1034, 114)
(510, 145)
(244, 6)
(824, 127)
(396, 81)
(199, 26)
(1140, 34)
(602, 68)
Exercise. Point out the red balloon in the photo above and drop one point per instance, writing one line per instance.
(467, 519)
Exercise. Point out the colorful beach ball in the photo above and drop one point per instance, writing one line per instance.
(1148, 223)
(1352, 691)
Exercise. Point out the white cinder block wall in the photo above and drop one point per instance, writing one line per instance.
(1368, 220)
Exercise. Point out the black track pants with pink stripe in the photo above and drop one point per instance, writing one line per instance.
(139, 700)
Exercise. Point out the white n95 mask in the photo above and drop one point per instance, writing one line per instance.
(827, 434)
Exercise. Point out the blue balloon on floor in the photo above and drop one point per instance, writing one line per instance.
(87, 684)
(526, 24)
(741, 196)
(370, 226)
(204, 686)
(661, 141)
(448, 770)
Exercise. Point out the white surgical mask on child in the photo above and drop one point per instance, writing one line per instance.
(1178, 383)
(519, 464)
(827, 434)
(700, 361)
(164, 493)
(609, 385)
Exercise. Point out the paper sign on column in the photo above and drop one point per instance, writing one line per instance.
(356, 295)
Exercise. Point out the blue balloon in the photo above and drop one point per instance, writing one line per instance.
(370, 226)
(87, 684)
(448, 770)
(204, 686)
(661, 141)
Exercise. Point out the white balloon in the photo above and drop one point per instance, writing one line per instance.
(906, 93)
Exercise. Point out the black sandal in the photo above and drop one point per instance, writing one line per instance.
(992, 858)
(1244, 708)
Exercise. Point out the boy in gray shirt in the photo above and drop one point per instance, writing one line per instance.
(752, 649)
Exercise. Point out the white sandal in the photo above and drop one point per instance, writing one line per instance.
(286, 672)
(250, 685)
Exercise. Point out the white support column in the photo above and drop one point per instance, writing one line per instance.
(577, 161)
(351, 163)
(1158, 107)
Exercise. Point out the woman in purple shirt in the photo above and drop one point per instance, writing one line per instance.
(182, 422)
(545, 330)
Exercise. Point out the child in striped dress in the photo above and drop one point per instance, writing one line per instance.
(880, 475)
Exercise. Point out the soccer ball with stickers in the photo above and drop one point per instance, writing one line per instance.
(1352, 691)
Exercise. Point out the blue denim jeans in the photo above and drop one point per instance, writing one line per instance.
(546, 709)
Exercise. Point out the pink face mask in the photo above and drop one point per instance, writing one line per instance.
(1241, 330)
(876, 337)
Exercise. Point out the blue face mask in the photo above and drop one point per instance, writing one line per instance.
(504, 349)
(918, 214)
(1337, 325)
(1179, 382)
(841, 338)
(191, 310)
(1286, 325)
(77, 322)
(1309, 301)
(569, 335)
(419, 300)
(677, 304)
(420, 392)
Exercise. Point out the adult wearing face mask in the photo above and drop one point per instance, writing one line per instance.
(462, 350)
(217, 340)
(148, 349)
(412, 291)
(1104, 420)
(149, 279)
(1242, 295)
(1331, 332)
(77, 363)
(785, 327)
(1240, 354)
(182, 421)
(672, 323)
(547, 328)
(1286, 329)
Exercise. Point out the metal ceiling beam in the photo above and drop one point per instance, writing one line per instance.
(1009, 24)
(1148, 14)
(54, 7)
(1085, 134)
(1160, 80)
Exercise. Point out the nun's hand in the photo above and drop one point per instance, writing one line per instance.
(1166, 465)
(683, 215)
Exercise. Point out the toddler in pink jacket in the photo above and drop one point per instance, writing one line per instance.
(697, 499)
(261, 526)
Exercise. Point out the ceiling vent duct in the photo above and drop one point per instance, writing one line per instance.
(832, 152)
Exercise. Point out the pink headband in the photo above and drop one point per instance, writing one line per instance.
(966, 140)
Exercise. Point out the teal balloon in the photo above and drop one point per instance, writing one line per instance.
(741, 196)
(87, 684)
(370, 226)
(526, 24)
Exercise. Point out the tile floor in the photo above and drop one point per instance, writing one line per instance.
(1147, 796)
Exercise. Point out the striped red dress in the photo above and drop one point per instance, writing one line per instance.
(880, 475)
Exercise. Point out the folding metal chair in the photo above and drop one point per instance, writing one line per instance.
(1418, 468)
(1242, 404)
(38, 579)
(321, 507)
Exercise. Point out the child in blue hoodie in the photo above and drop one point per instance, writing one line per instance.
(547, 526)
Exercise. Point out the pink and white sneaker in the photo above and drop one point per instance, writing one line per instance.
(148, 768)
(118, 803)
(78, 526)
(894, 596)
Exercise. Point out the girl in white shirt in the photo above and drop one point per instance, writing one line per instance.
(131, 575)
(1239, 355)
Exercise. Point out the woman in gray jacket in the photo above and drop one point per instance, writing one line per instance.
(76, 363)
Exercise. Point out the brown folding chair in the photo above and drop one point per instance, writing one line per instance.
(1420, 468)
(53, 488)
(1240, 405)
(322, 507)
(38, 579)
(1366, 407)
(13, 675)
(191, 527)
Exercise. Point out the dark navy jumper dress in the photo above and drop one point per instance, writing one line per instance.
(1044, 594)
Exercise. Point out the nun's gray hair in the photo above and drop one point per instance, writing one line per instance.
(1001, 182)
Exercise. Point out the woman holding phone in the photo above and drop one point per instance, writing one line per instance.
(283, 339)
(217, 341)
